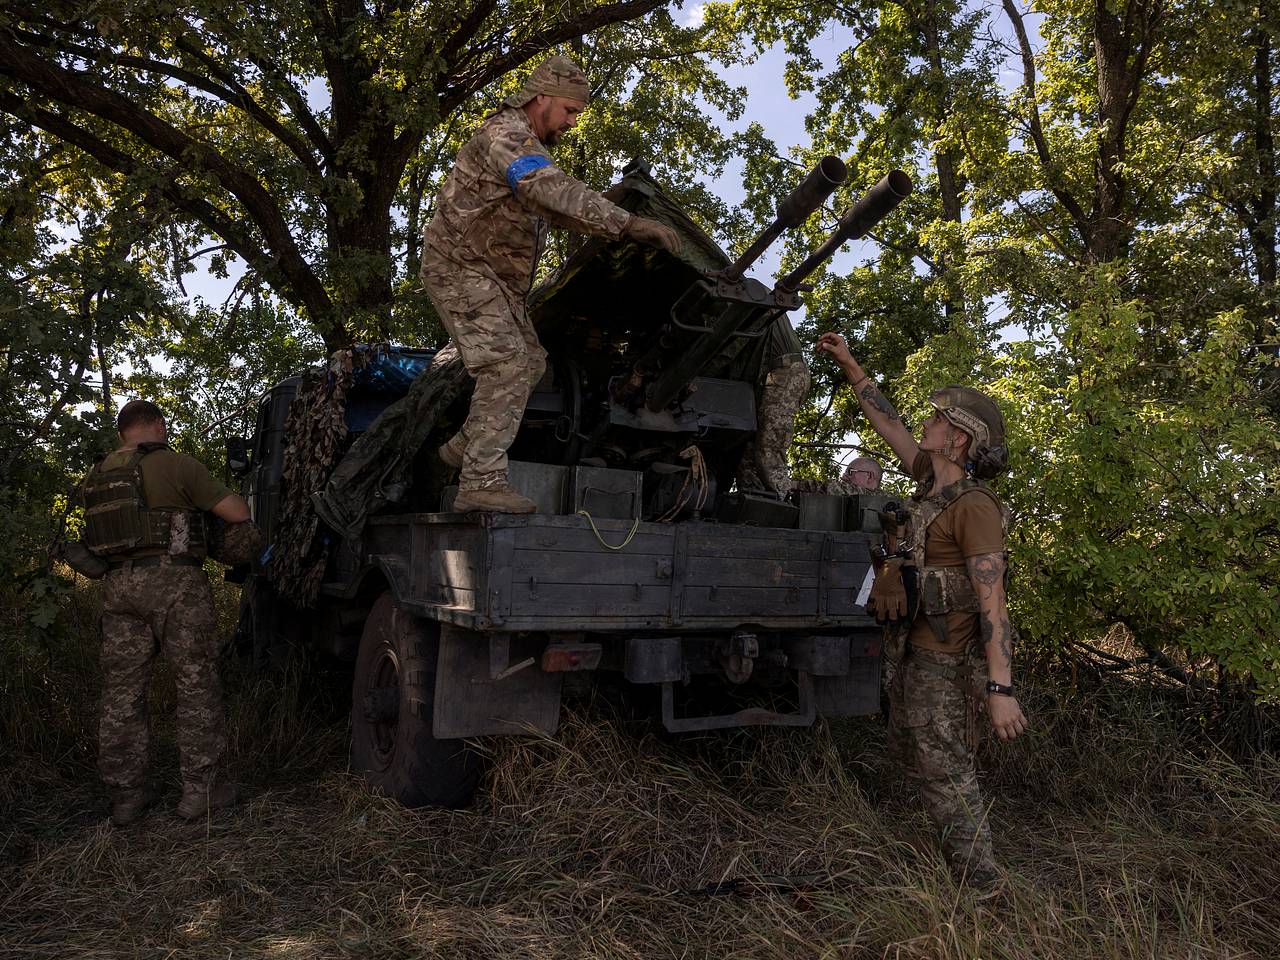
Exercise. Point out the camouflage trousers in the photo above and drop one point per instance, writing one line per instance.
(500, 350)
(764, 464)
(144, 610)
(934, 709)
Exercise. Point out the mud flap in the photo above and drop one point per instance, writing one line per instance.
(856, 692)
(471, 701)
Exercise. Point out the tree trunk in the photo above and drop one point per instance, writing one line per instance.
(950, 184)
(414, 227)
(1122, 41)
(1262, 229)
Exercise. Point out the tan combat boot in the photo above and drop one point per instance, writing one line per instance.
(451, 452)
(498, 499)
(130, 806)
(197, 803)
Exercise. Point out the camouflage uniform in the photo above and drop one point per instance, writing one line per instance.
(159, 598)
(937, 696)
(786, 383)
(479, 258)
(934, 709)
(143, 610)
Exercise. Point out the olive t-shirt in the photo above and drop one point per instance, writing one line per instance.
(172, 480)
(969, 527)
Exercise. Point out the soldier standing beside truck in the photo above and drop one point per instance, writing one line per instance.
(144, 506)
(952, 652)
(480, 254)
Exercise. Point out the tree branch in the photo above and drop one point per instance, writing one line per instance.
(213, 219)
(1033, 111)
(78, 90)
(229, 90)
(522, 50)
(238, 96)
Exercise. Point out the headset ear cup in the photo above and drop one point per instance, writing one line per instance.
(990, 462)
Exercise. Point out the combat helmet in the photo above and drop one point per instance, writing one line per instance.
(977, 415)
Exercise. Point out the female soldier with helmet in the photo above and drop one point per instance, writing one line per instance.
(950, 658)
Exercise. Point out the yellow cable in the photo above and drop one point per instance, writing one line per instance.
(634, 527)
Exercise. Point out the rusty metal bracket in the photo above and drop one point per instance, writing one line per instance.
(750, 717)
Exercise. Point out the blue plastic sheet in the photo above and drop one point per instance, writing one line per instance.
(390, 371)
(384, 375)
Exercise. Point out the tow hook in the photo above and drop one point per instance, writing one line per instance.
(737, 656)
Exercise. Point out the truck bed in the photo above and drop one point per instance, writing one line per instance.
(507, 572)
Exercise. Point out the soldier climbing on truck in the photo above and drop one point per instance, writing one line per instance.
(480, 252)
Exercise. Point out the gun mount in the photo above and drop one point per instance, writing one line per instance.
(649, 352)
(724, 305)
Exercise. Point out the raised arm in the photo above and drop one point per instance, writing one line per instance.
(884, 419)
(986, 573)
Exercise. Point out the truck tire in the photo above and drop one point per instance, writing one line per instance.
(392, 699)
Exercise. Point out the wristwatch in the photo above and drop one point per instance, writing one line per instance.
(1003, 689)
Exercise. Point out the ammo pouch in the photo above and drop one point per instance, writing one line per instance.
(118, 523)
(946, 590)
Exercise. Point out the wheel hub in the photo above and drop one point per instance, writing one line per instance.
(382, 705)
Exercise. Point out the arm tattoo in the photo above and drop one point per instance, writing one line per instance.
(1002, 633)
(872, 396)
(985, 571)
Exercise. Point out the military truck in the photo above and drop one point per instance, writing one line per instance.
(644, 566)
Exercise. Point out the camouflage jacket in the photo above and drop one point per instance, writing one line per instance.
(492, 211)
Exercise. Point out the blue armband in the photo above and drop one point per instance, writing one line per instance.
(521, 167)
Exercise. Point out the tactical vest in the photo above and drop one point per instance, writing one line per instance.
(119, 524)
(944, 589)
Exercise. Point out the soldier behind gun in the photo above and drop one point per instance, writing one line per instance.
(144, 521)
(480, 254)
(951, 655)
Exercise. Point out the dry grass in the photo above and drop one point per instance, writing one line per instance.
(1120, 838)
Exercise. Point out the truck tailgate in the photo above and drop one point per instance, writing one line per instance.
(551, 572)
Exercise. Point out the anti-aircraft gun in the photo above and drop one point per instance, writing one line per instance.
(647, 351)
(642, 569)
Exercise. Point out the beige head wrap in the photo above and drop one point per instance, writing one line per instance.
(555, 77)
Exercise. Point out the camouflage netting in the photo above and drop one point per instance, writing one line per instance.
(317, 432)
(376, 471)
